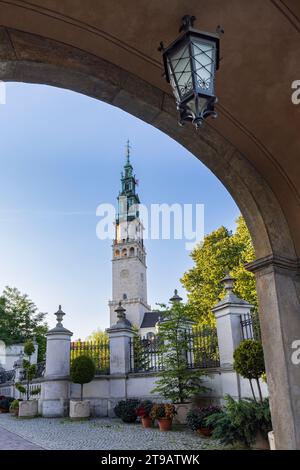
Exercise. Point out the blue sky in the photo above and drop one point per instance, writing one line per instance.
(61, 156)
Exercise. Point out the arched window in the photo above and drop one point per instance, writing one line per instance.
(131, 251)
(117, 253)
(124, 252)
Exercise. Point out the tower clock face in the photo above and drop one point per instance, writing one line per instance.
(124, 273)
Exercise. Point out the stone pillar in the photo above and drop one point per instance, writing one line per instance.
(278, 286)
(120, 336)
(228, 317)
(56, 385)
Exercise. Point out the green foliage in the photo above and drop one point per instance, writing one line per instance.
(220, 252)
(176, 381)
(240, 421)
(29, 348)
(82, 371)
(126, 410)
(20, 388)
(20, 320)
(249, 359)
(98, 336)
(163, 410)
(196, 418)
(14, 405)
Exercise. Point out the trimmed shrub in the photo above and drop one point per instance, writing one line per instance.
(249, 362)
(82, 371)
(126, 410)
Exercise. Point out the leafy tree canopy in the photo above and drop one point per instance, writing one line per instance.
(98, 336)
(220, 252)
(20, 320)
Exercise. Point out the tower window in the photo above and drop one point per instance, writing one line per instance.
(117, 253)
(131, 251)
(124, 252)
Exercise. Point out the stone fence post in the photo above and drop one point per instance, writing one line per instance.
(228, 317)
(120, 337)
(55, 391)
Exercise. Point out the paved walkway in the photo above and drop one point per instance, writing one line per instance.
(11, 441)
(97, 433)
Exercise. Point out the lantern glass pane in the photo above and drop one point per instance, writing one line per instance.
(180, 71)
(204, 62)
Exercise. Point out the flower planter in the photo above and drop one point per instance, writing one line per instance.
(79, 409)
(207, 432)
(146, 421)
(165, 424)
(182, 410)
(28, 409)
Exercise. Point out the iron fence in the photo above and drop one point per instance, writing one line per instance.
(250, 326)
(201, 351)
(7, 376)
(96, 350)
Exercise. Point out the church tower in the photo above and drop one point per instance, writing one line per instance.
(129, 282)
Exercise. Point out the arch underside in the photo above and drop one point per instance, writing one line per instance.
(52, 63)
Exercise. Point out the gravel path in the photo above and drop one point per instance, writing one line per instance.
(100, 434)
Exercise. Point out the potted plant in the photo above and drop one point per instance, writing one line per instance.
(82, 372)
(5, 404)
(177, 382)
(164, 414)
(14, 407)
(126, 410)
(28, 408)
(143, 410)
(196, 419)
(241, 421)
(249, 363)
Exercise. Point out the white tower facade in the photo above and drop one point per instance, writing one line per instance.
(129, 271)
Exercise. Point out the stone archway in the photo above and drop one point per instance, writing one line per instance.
(33, 59)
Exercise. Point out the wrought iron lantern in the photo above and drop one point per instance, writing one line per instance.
(190, 65)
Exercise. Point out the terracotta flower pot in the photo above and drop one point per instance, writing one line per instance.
(165, 424)
(205, 432)
(146, 422)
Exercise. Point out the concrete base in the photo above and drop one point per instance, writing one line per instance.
(28, 408)
(271, 440)
(182, 411)
(56, 408)
(79, 409)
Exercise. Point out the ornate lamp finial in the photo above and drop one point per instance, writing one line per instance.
(176, 299)
(120, 311)
(59, 316)
(228, 283)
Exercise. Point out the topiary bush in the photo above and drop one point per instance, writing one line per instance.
(126, 410)
(82, 371)
(196, 418)
(240, 421)
(249, 362)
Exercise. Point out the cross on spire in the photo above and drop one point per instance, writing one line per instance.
(128, 148)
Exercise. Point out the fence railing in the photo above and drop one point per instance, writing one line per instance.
(201, 351)
(96, 350)
(7, 376)
(250, 326)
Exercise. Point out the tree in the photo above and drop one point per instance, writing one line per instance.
(98, 336)
(249, 362)
(221, 251)
(176, 381)
(30, 371)
(20, 321)
(82, 371)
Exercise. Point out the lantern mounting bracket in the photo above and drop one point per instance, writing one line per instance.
(187, 22)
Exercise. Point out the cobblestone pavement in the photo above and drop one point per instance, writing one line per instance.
(97, 433)
(11, 441)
